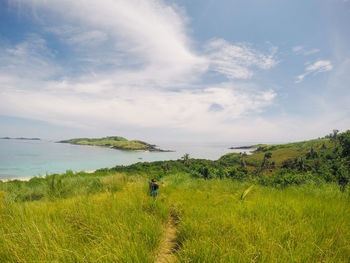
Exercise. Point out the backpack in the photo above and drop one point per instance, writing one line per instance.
(155, 186)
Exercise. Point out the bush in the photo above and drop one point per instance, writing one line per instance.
(237, 174)
(95, 186)
(286, 177)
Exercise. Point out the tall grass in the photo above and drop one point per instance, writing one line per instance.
(109, 217)
(118, 226)
(296, 224)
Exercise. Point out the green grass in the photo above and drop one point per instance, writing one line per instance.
(280, 152)
(109, 217)
(120, 226)
(316, 143)
(297, 224)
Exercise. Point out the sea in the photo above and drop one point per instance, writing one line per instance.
(23, 159)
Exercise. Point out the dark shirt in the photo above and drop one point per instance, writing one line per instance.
(155, 186)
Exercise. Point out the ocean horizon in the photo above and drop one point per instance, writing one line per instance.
(29, 158)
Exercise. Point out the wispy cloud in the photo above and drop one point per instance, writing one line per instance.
(238, 61)
(300, 50)
(28, 60)
(315, 68)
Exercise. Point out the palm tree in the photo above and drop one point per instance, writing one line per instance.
(242, 160)
(333, 137)
(186, 159)
(265, 161)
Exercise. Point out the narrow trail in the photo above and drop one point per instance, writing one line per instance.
(169, 243)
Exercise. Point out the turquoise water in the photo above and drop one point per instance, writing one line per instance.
(25, 158)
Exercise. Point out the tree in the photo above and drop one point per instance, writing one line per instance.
(312, 154)
(333, 136)
(205, 172)
(242, 160)
(343, 175)
(287, 163)
(220, 173)
(344, 140)
(166, 167)
(265, 162)
(186, 159)
(301, 165)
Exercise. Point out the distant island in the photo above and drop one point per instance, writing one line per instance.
(116, 142)
(20, 138)
(243, 147)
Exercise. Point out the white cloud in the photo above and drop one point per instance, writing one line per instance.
(315, 68)
(139, 70)
(320, 66)
(186, 109)
(30, 60)
(297, 49)
(134, 42)
(96, 100)
(312, 51)
(300, 50)
(237, 61)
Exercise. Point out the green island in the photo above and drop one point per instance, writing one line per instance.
(116, 142)
(20, 138)
(282, 203)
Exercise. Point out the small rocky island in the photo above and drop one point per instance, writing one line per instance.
(116, 142)
(243, 147)
(20, 138)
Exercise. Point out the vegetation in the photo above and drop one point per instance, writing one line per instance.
(286, 203)
(117, 225)
(220, 221)
(115, 142)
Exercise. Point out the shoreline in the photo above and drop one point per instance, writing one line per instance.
(23, 179)
(109, 159)
(119, 148)
(26, 179)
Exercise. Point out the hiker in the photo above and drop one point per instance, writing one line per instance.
(153, 188)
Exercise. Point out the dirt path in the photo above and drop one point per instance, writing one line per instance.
(169, 243)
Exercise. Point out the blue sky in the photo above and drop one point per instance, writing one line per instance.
(163, 70)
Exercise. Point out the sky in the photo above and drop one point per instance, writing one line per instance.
(166, 70)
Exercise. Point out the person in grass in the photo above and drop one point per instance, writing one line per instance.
(153, 188)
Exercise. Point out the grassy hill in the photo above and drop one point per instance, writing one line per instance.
(111, 218)
(281, 152)
(115, 142)
(283, 203)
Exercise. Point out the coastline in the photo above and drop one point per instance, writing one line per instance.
(115, 142)
(48, 157)
(26, 179)
(152, 149)
(23, 179)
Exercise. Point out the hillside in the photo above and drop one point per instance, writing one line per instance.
(280, 152)
(115, 142)
(283, 203)
(109, 216)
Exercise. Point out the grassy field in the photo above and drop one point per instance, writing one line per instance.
(119, 222)
(282, 152)
(119, 225)
(298, 224)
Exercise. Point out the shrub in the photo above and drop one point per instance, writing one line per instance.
(286, 177)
